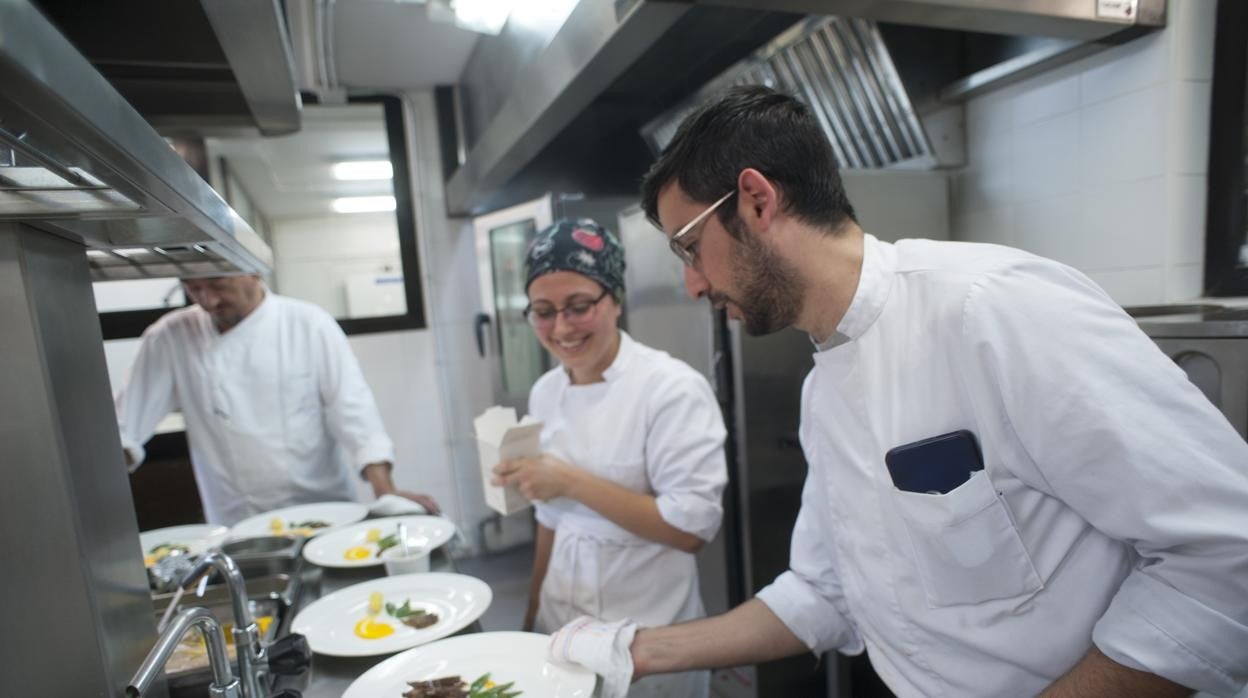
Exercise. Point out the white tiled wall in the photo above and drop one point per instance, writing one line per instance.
(1101, 163)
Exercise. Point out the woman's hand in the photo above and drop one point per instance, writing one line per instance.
(539, 478)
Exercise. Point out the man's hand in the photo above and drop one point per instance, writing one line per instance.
(378, 475)
(424, 500)
(601, 647)
(539, 478)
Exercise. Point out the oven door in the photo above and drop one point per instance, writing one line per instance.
(502, 238)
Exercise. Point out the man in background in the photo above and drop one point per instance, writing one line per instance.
(277, 410)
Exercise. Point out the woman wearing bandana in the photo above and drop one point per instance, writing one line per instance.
(629, 485)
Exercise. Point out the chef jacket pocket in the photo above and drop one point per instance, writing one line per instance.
(966, 546)
(305, 424)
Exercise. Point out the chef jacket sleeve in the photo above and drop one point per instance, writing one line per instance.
(1118, 433)
(684, 454)
(808, 598)
(351, 413)
(148, 395)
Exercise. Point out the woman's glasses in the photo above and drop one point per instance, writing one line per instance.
(579, 311)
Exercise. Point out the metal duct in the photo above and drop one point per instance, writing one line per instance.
(841, 69)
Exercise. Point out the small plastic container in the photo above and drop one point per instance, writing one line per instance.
(416, 560)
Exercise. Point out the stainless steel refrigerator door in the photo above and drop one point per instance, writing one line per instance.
(502, 239)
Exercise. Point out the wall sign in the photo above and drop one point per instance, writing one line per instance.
(1117, 9)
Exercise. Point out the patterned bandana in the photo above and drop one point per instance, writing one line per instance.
(581, 246)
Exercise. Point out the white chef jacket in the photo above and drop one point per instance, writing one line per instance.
(270, 406)
(1113, 508)
(653, 426)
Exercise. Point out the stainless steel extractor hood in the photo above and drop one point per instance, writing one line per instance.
(190, 67)
(1084, 20)
(78, 161)
(626, 61)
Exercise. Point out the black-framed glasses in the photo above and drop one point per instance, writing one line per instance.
(579, 311)
(685, 251)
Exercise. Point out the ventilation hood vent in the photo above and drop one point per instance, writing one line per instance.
(841, 69)
(78, 161)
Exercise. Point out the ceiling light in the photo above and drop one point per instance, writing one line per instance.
(130, 251)
(363, 169)
(363, 204)
(483, 16)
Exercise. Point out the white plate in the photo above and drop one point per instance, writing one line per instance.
(197, 537)
(329, 622)
(424, 532)
(332, 513)
(506, 656)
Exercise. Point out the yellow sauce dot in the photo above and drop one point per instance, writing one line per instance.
(370, 629)
(358, 553)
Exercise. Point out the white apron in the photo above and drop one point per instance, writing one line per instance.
(596, 567)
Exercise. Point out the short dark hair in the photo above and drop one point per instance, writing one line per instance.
(758, 127)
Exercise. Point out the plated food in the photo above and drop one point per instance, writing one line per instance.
(386, 615)
(300, 520)
(192, 539)
(515, 663)
(361, 544)
(371, 628)
(456, 687)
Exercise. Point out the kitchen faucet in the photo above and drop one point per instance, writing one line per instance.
(252, 657)
(224, 685)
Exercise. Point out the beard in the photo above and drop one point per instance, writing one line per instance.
(769, 290)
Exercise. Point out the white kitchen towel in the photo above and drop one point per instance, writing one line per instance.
(603, 648)
(394, 505)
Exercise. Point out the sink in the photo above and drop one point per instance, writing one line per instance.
(272, 570)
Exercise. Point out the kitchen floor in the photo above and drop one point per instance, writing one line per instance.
(507, 573)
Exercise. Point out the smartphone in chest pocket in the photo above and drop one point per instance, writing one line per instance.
(936, 465)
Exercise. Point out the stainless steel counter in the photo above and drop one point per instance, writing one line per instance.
(330, 676)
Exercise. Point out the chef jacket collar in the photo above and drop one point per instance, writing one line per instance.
(879, 262)
(628, 349)
(253, 318)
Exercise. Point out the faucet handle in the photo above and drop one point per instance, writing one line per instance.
(290, 655)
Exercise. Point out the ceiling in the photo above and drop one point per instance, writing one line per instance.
(289, 176)
(379, 46)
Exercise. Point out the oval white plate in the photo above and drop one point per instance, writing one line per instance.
(424, 532)
(329, 622)
(332, 513)
(197, 537)
(505, 656)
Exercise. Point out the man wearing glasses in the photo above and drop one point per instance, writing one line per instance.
(1011, 491)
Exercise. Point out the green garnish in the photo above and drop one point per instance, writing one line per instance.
(388, 542)
(405, 610)
(308, 524)
(503, 690)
